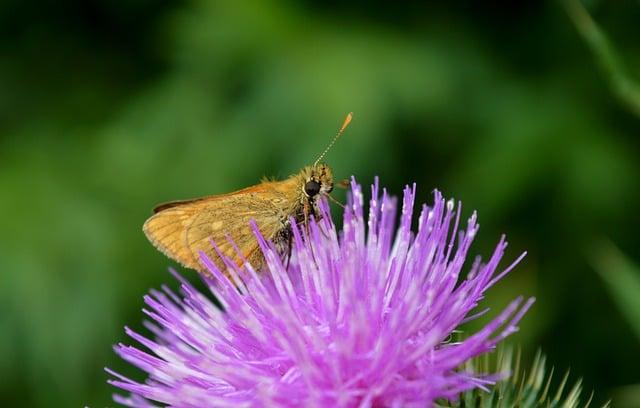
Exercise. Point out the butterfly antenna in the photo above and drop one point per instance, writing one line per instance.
(335, 201)
(346, 122)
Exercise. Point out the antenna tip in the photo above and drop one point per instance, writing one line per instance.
(346, 122)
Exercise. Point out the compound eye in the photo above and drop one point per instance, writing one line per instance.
(312, 188)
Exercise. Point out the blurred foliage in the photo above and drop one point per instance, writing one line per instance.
(521, 387)
(622, 84)
(107, 108)
(623, 281)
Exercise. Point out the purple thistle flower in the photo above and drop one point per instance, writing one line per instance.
(362, 318)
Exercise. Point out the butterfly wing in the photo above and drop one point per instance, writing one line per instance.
(182, 229)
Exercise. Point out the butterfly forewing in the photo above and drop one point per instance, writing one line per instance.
(181, 230)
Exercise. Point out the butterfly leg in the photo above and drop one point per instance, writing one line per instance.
(283, 241)
(288, 254)
(306, 210)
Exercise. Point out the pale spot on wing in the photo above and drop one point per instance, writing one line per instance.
(218, 221)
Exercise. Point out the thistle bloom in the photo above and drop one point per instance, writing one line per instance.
(361, 318)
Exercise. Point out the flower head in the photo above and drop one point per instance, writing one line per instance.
(363, 317)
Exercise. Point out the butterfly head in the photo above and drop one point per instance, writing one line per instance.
(318, 181)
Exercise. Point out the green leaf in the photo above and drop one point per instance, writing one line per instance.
(519, 389)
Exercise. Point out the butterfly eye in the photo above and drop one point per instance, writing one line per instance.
(312, 188)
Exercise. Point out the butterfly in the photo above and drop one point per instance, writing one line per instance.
(183, 229)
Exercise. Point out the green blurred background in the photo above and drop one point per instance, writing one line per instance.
(109, 107)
